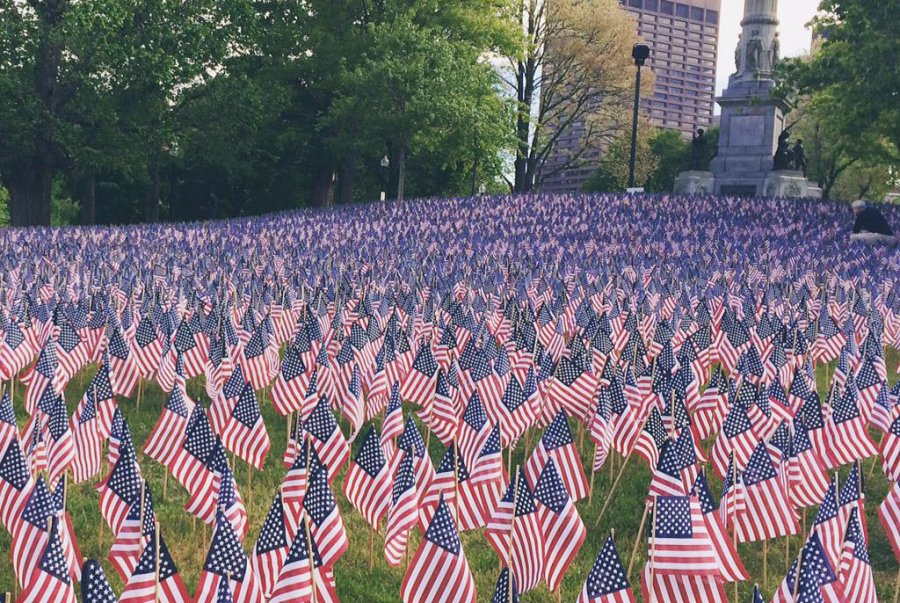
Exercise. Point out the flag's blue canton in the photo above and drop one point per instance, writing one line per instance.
(424, 362)
(321, 423)
(782, 439)
(411, 439)
(358, 337)
(227, 492)
(225, 552)
(846, 408)
(124, 480)
(370, 457)
(319, 501)
(759, 468)
(354, 387)
(854, 488)
(828, 509)
(514, 396)
(524, 498)
(53, 561)
(14, 337)
(40, 505)
(567, 373)
(7, 415)
(811, 412)
(59, 419)
(492, 443)
(815, 571)
(149, 514)
(101, 386)
(184, 338)
(776, 393)
(200, 440)
(146, 333)
(475, 416)
(345, 354)
(737, 421)
(607, 576)
(68, 338)
(616, 392)
(235, 384)
(441, 531)
(550, 490)
(669, 461)
(255, 345)
(453, 461)
(95, 587)
(655, 428)
(147, 563)
(313, 387)
(856, 536)
(301, 547)
(799, 386)
(246, 410)
(505, 592)
(117, 345)
(292, 366)
(272, 536)
(867, 376)
(558, 433)
(757, 595)
(223, 592)
(701, 490)
(59, 495)
(176, 403)
(673, 518)
(405, 478)
(13, 469)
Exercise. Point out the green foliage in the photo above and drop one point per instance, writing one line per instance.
(4, 207)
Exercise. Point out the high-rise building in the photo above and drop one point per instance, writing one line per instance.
(683, 37)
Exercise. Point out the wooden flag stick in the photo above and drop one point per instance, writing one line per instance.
(290, 421)
(897, 589)
(797, 575)
(734, 513)
(156, 580)
(593, 475)
(312, 561)
(652, 550)
(165, 483)
(612, 489)
(512, 531)
(765, 562)
(371, 548)
(456, 484)
(637, 540)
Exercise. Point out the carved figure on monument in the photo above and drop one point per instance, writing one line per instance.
(784, 157)
(800, 163)
(738, 54)
(754, 53)
(775, 52)
(698, 150)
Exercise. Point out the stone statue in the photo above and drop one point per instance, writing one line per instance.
(698, 150)
(784, 157)
(738, 54)
(800, 163)
(754, 53)
(776, 51)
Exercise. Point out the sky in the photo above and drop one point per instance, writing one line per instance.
(795, 38)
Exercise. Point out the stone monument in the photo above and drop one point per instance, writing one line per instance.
(752, 130)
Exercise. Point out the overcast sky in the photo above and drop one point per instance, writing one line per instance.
(795, 38)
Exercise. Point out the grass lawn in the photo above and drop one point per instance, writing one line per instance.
(355, 580)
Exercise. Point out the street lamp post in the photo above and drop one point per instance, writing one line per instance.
(385, 175)
(640, 53)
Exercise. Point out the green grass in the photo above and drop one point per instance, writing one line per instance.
(355, 581)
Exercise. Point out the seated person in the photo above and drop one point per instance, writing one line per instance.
(871, 226)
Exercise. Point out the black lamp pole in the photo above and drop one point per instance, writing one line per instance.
(640, 53)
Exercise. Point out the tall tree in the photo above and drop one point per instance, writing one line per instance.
(572, 71)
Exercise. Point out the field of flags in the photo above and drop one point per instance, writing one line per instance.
(591, 398)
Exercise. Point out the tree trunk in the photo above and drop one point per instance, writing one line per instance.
(401, 171)
(87, 213)
(30, 192)
(322, 186)
(346, 178)
(151, 201)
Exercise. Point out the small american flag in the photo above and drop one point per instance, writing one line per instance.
(856, 577)
(245, 433)
(368, 481)
(769, 513)
(403, 513)
(327, 438)
(226, 563)
(325, 522)
(304, 572)
(155, 578)
(562, 530)
(816, 577)
(15, 484)
(271, 548)
(607, 582)
(889, 516)
(557, 444)
(50, 579)
(514, 532)
(95, 587)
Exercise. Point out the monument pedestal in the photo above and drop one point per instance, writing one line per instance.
(695, 183)
(786, 183)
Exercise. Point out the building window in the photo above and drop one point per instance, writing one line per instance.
(682, 10)
(666, 7)
(696, 13)
(712, 16)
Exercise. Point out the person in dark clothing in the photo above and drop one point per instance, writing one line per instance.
(871, 226)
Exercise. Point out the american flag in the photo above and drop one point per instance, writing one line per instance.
(95, 587)
(855, 575)
(514, 532)
(164, 441)
(392, 426)
(60, 444)
(134, 534)
(403, 513)
(418, 386)
(846, 431)
(651, 438)
(327, 439)
(42, 374)
(890, 451)
(807, 477)
(505, 591)
(71, 351)
(562, 530)
(769, 513)
(829, 525)
(304, 576)
(92, 423)
(148, 347)
(737, 435)
(188, 465)
(439, 571)
(446, 412)
(121, 488)
(9, 427)
(607, 582)
(730, 564)
(245, 433)
(411, 442)
(272, 545)
(368, 481)
(155, 578)
(473, 430)
(325, 522)
(306, 461)
(226, 563)
(50, 580)
(453, 485)
(289, 390)
(15, 484)
(124, 371)
(557, 444)
(515, 413)
(814, 581)
(488, 476)
(889, 517)
(31, 532)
